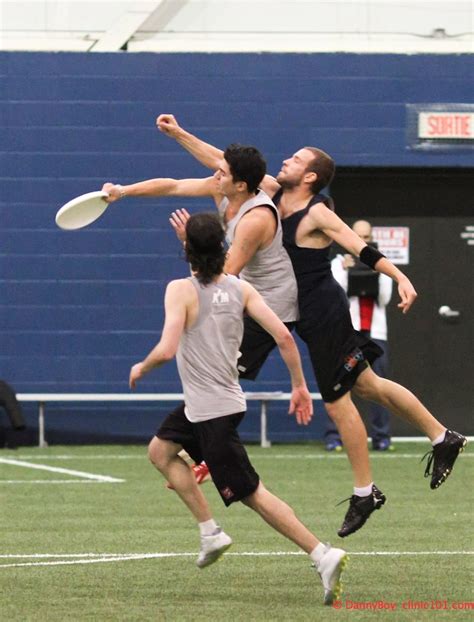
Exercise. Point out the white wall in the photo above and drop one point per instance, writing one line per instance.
(240, 25)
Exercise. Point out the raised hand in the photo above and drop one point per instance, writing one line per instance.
(178, 220)
(167, 124)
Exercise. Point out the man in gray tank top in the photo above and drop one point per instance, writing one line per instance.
(254, 234)
(203, 327)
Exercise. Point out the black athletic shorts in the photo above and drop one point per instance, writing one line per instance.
(255, 347)
(338, 353)
(218, 443)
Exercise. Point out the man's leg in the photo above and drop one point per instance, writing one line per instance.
(399, 401)
(164, 456)
(354, 437)
(446, 444)
(328, 561)
(367, 497)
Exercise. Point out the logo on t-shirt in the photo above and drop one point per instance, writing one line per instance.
(220, 298)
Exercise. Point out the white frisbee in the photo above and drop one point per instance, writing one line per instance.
(82, 210)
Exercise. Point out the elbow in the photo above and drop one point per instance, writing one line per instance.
(167, 355)
(285, 340)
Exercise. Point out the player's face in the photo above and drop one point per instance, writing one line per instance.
(363, 230)
(294, 169)
(224, 182)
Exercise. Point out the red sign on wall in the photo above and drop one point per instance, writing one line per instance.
(446, 125)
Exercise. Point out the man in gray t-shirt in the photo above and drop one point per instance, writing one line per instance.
(203, 326)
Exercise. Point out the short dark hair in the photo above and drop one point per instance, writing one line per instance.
(205, 249)
(324, 167)
(247, 164)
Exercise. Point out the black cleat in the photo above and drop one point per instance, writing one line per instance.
(360, 508)
(443, 456)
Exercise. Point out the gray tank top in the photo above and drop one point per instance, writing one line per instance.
(270, 270)
(208, 351)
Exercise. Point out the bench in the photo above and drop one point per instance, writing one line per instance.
(44, 398)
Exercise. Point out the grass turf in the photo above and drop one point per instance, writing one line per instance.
(139, 516)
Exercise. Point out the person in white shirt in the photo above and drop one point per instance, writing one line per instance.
(368, 314)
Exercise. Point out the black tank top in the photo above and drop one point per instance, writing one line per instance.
(320, 296)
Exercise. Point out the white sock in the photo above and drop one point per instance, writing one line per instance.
(365, 491)
(317, 553)
(439, 439)
(208, 527)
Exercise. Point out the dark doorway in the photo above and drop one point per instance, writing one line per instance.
(431, 352)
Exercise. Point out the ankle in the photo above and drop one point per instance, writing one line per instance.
(363, 491)
(208, 527)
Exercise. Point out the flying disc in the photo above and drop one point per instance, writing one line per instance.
(82, 210)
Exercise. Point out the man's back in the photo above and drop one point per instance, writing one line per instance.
(208, 351)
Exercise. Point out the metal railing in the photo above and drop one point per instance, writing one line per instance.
(264, 397)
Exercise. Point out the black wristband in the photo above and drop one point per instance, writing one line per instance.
(370, 255)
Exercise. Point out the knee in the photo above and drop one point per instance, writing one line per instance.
(157, 453)
(335, 410)
(368, 388)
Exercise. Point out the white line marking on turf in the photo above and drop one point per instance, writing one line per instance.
(98, 558)
(57, 481)
(44, 467)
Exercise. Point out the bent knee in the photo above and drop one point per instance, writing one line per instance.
(368, 386)
(158, 452)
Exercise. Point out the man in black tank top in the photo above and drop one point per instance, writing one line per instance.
(212, 434)
(340, 355)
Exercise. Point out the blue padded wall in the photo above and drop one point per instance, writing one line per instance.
(78, 308)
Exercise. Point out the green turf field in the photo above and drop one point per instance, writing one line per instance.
(75, 548)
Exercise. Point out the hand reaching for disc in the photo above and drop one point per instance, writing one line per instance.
(178, 220)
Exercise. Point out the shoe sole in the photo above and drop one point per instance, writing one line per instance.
(213, 557)
(336, 591)
(447, 473)
(348, 533)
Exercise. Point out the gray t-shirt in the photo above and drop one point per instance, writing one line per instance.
(269, 270)
(208, 351)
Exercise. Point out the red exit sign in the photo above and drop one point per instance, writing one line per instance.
(446, 125)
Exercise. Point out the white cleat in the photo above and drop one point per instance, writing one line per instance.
(212, 547)
(330, 569)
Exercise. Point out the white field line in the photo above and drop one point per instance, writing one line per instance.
(92, 558)
(44, 467)
(57, 481)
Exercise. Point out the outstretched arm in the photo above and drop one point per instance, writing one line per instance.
(328, 222)
(163, 187)
(255, 306)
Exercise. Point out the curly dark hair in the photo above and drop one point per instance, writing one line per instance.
(205, 249)
(247, 164)
(323, 165)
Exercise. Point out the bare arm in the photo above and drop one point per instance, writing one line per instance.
(205, 153)
(255, 306)
(331, 225)
(254, 230)
(163, 187)
(176, 301)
